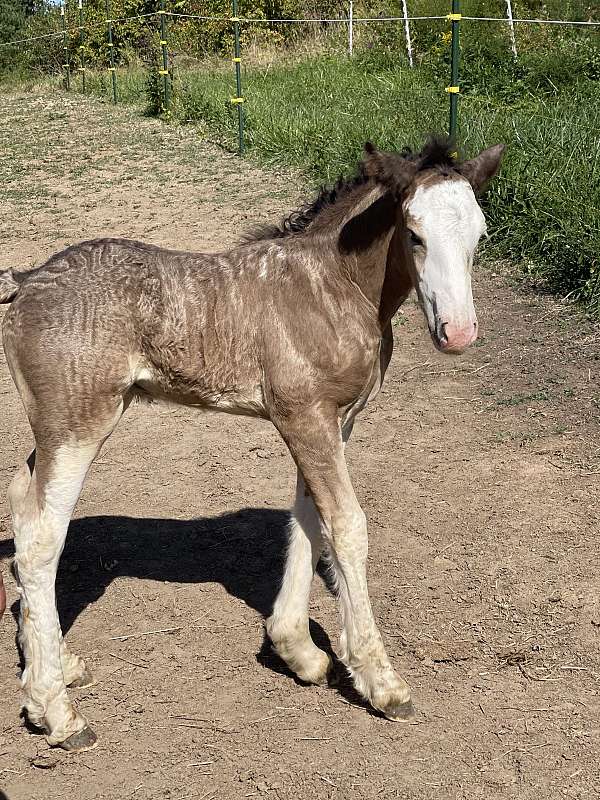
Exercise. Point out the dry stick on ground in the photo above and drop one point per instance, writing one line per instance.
(144, 633)
(314, 739)
(196, 796)
(411, 369)
(323, 778)
(133, 663)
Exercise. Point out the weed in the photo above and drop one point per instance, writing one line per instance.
(519, 399)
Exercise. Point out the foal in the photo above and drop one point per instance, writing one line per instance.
(294, 326)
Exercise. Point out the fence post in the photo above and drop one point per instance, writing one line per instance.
(165, 55)
(351, 28)
(238, 99)
(111, 49)
(454, 88)
(81, 67)
(511, 26)
(66, 66)
(407, 33)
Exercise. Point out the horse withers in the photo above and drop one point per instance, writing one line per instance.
(293, 325)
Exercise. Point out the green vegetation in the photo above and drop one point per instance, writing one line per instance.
(518, 399)
(310, 106)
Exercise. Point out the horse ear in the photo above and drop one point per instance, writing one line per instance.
(480, 170)
(390, 169)
(372, 163)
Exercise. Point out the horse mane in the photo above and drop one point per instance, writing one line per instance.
(438, 153)
(301, 218)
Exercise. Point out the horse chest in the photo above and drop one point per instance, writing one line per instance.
(369, 390)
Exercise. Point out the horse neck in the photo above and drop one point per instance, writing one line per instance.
(363, 239)
(363, 236)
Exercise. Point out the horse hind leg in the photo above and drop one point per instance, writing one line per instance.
(40, 520)
(74, 669)
(287, 626)
(41, 515)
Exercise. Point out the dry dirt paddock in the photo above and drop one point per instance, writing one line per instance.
(479, 476)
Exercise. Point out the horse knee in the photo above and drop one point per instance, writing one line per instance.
(348, 532)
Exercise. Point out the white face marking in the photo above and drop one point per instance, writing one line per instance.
(445, 223)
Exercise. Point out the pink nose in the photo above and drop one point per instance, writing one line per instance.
(457, 338)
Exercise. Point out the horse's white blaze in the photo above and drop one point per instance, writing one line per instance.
(447, 218)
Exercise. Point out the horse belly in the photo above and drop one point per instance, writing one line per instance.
(232, 398)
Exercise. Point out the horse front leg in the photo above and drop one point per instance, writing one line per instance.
(315, 441)
(288, 625)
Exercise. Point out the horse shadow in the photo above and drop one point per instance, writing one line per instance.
(244, 551)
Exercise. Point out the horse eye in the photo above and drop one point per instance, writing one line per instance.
(415, 240)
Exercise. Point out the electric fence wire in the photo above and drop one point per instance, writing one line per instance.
(306, 21)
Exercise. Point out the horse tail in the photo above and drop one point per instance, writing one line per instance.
(9, 286)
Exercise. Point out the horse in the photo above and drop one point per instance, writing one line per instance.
(292, 325)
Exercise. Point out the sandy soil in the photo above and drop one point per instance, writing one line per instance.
(478, 474)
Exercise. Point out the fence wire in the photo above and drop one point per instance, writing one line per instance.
(303, 21)
(165, 69)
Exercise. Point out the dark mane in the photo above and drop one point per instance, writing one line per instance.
(438, 153)
(300, 219)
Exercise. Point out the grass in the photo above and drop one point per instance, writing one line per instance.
(519, 399)
(315, 114)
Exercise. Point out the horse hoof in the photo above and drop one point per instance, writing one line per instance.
(86, 739)
(400, 712)
(85, 680)
(319, 674)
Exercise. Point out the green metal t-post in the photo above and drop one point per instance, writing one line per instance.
(81, 47)
(111, 48)
(238, 99)
(66, 65)
(454, 88)
(165, 55)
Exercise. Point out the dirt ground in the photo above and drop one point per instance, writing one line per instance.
(479, 476)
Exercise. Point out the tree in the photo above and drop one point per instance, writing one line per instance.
(12, 19)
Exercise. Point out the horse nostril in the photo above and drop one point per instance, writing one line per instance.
(441, 331)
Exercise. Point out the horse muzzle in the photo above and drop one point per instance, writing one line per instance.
(453, 339)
